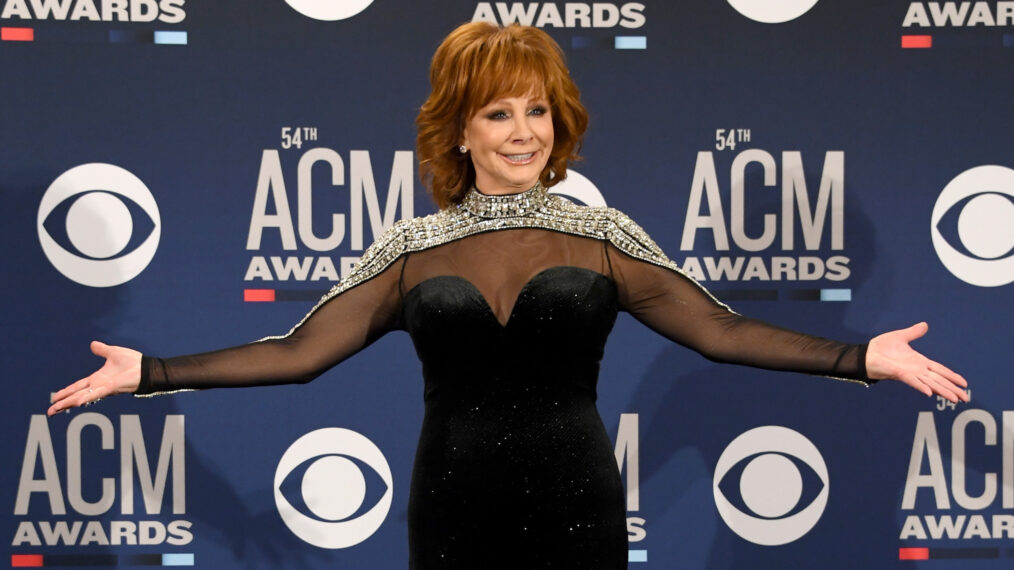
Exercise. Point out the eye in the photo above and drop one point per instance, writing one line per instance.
(498, 115)
(98, 224)
(538, 110)
(980, 226)
(771, 485)
(333, 488)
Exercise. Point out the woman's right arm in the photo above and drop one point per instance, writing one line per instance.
(334, 331)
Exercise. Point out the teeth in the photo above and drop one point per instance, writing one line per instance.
(519, 157)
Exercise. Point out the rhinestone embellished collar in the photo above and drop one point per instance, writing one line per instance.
(505, 206)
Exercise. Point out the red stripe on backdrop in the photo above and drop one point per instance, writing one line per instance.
(26, 560)
(913, 554)
(17, 34)
(916, 41)
(259, 295)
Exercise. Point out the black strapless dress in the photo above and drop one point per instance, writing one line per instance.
(514, 466)
(509, 301)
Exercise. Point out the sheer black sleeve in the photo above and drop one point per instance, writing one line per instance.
(677, 307)
(336, 329)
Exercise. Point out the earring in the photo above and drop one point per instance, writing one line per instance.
(462, 149)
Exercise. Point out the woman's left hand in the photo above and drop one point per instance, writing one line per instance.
(890, 357)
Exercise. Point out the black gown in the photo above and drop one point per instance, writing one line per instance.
(509, 303)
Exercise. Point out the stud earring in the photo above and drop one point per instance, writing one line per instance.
(462, 149)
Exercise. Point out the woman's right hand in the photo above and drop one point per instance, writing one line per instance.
(121, 374)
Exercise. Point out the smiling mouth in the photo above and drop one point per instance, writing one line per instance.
(519, 158)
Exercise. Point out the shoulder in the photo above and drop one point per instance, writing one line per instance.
(626, 235)
(616, 227)
(602, 214)
(403, 236)
(391, 245)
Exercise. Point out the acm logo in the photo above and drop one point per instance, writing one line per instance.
(165, 11)
(602, 15)
(81, 499)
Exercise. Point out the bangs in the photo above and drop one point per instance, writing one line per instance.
(508, 69)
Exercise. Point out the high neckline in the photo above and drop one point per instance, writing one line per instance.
(505, 205)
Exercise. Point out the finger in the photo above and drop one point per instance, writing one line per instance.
(948, 374)
(99, 348)
(915, 331)
(62, 405)
(917, 383)
(83, 397)
(72, 389)
(943, 388)
(82, 392)
(948, 389)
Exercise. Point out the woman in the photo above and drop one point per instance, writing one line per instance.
(509, 294)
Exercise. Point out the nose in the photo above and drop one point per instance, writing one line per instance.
(522, 129)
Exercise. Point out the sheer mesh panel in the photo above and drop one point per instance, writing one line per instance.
(499, 264)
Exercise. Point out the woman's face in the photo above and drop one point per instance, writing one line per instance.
(509, 140)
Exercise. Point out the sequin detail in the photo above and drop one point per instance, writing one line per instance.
(477, 213)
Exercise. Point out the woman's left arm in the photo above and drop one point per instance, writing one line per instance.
(677, 307)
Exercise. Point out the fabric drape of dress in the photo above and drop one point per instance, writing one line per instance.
(509, 301)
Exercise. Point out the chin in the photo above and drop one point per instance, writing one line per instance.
(525, 184)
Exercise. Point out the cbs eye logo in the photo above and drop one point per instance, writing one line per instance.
(769, 12)
(330, 468)
(766, 485)
(579, 188)
(99, 211)
(329, 11)
(972, 226)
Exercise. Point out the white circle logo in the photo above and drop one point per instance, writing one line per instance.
(329, 10)
(985, 226)
(578, 187)
(333, 488)
(771, 485)
(770, 12)
(98, 224)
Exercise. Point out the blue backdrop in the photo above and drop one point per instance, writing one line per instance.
(181, 176)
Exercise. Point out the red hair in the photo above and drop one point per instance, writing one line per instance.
(478, 63)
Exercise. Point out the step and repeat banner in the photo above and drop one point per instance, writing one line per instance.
(179, 176)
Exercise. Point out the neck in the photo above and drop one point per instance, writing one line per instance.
(505, 191)
(504, 205)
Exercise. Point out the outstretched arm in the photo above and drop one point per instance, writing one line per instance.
(335, 330)
(678, 308)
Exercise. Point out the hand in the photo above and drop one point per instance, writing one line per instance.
(889, 356)
(121, 374)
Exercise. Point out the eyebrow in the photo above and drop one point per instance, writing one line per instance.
(503, 101)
